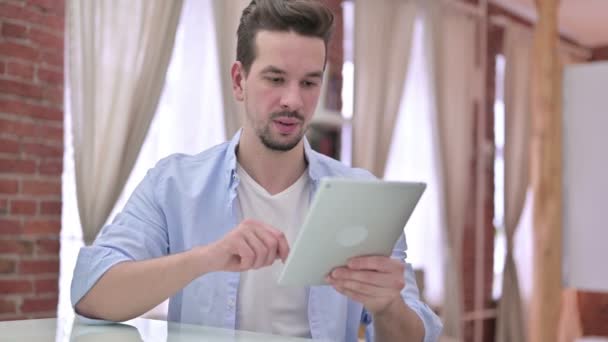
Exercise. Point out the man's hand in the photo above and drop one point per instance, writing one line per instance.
(374, 281)
(250, 245)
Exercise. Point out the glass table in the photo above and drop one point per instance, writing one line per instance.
(139, 329)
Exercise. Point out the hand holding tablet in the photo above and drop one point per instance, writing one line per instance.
(348, 218)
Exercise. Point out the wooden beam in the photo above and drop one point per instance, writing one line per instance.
(546, 175)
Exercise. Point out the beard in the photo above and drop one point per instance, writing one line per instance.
(276, 143)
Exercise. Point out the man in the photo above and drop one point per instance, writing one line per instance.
(207, 230)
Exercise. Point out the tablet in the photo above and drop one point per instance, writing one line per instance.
(348, 218)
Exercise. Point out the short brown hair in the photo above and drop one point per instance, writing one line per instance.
(305, 17)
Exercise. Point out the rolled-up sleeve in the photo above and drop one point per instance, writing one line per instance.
(411, 296)
(139, 232)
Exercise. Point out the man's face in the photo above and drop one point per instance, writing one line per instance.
(282, 87)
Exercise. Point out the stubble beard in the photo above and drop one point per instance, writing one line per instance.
(266, 136)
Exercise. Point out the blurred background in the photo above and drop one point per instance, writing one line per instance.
(491, 103)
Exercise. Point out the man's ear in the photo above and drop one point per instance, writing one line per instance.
(238, 78)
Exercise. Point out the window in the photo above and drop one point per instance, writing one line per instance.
(413, 157)
(499, 178)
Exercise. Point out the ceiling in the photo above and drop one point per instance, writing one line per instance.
(583, 21)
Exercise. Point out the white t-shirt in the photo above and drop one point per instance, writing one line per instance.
(263, 305)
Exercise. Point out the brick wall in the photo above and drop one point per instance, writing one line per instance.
(31, 150)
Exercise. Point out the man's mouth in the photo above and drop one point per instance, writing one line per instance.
(287, 121)
(286, 125)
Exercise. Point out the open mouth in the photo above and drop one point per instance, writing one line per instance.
(286, 125)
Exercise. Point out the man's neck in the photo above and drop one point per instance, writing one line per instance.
(275, 171)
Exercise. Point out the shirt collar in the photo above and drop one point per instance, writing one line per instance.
(310, 155)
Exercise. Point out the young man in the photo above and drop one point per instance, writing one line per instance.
(207, 230)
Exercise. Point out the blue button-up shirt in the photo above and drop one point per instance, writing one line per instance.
(187, 201)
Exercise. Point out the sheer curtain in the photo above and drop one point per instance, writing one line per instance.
(227, 16)
(189, 119)
(450, 45)
(383, 36)
(117, 58)
(413, 157)
(518, 52)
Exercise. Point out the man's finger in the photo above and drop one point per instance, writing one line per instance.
(283, 247)
(258, 248)
(246, 255)
(271, 243)
(283, 243)
(363, 288)
(376, 263)
(380, 279)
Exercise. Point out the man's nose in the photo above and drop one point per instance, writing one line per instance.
(291, 98)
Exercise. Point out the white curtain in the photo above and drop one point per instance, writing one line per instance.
(413, 157)
(227, 15)
(517, 48)
(188, 119)
(383, 35)
(451, 50)
(117, 59)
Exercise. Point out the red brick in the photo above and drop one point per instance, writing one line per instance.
(40, 315)
(10, 226)
(53, 95)
(26, 109)
(23, 207)
(50, 208)
(17, 166)
(15, 50)
(51, 58)
(7, 266)
(50, 132)
(8, 186)
(50, 77)
(45, 5)
(38, 305)
(9, 146)
(48, 6)
(47, 246)
(43, 286)
(42, 150)
(34, 187)
(13, 317)
(34, 130)
(42, 227)
(8, 306)
(38, 266)
(13, 30)
(3, 206)
(20, 247)
(15, 286)
(20, 89)
(51, 167)
(15, 127)
(21, 70)
(19, 13)
(2, 67)
(45, 39)
(54, 23)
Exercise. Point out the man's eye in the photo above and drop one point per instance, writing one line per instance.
(309, 84)
(275, 80)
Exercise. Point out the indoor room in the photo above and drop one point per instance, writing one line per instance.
(159, 160)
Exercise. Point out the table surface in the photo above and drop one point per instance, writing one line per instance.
(139, 329)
